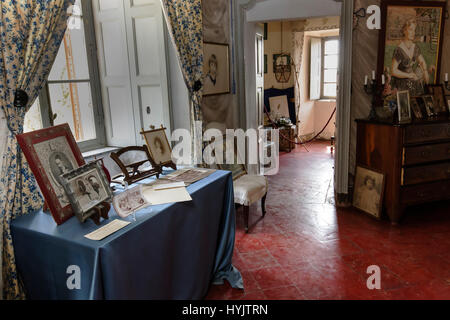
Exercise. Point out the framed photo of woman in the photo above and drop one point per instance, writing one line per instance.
(159, 147)
(410, 45)
(438, 93)
(52, 152)
(429, 105)
(404, 107)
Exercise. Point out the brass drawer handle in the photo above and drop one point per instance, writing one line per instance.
(427, 154)
(420, 194)
(425, 133)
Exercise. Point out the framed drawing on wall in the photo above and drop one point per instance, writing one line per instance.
(410, 45)
(52, 152)
(216, 68)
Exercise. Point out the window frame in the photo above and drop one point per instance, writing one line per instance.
(322, 80)
(94, 81)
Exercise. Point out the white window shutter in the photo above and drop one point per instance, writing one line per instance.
(316, 69)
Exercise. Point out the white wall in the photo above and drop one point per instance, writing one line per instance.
(179, 94)
(273, 46)
(314, 114)
(322, 112)
(270, 10)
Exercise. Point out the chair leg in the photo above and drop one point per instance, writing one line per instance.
(246, 217)
(263, 205)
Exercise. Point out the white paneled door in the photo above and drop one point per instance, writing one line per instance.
(132, 56)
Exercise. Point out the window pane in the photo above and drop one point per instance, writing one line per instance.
(331, 62)
(72, 103)
(332, 47)
(330, 75)
(33, 119)
(71, 62)
(329, 90)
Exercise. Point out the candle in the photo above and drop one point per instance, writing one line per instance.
(373, 74)
(383, 80)
(366, 80)
(446, 77)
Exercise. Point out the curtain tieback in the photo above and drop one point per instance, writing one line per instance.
(20, 98)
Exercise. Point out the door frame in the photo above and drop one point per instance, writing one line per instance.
(343, 115)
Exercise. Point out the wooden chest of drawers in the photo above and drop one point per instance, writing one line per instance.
(414, 157)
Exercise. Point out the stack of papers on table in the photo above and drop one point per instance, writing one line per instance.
(166, 193)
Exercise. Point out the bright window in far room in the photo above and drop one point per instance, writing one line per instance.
(330, 67)
(72, 93)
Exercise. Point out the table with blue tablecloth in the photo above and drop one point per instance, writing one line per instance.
(173, 251)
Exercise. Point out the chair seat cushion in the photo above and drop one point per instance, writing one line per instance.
(249, 188)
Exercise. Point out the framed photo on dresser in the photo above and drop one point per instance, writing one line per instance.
(52, 152)
(404, 107)
(438, 93)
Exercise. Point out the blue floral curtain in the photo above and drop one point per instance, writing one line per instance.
(31, 33)
(185, 23)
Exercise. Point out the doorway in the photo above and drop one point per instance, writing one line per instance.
(248, 15)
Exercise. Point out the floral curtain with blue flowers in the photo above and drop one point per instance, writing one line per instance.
(31, 33)
(185, 23)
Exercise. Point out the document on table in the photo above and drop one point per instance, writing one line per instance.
(166, 193)
(107, 230)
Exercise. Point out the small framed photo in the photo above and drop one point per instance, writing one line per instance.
(216, 69)
(86, 187)
(369, 191)
(130, 201)
(52, 152)
(415, 107)
(428, 101)
(404, 107)
(158, 146)
(438, 93)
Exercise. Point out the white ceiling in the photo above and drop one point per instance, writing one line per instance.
(269, 10)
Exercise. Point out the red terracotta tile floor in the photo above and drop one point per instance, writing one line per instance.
(306, 248)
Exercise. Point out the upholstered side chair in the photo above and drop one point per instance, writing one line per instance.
(248, 188)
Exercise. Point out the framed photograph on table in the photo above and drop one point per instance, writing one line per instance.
(415, 107)
(216, 69)
(404, 107)
(410, 45)
(86, 187)
(52, 152)
(438, 93)
(428, 101)
(159, 147)
(369, 191)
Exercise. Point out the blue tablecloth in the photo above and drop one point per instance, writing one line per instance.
(172, 251)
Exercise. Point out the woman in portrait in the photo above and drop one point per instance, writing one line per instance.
(409, 69)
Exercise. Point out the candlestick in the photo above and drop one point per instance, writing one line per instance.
(366, 80)
(375, 90)
(383, 79)
(373, 74)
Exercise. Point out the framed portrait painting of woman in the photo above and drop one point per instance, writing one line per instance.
(410, 45)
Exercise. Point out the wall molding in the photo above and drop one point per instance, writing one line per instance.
(343, 115)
